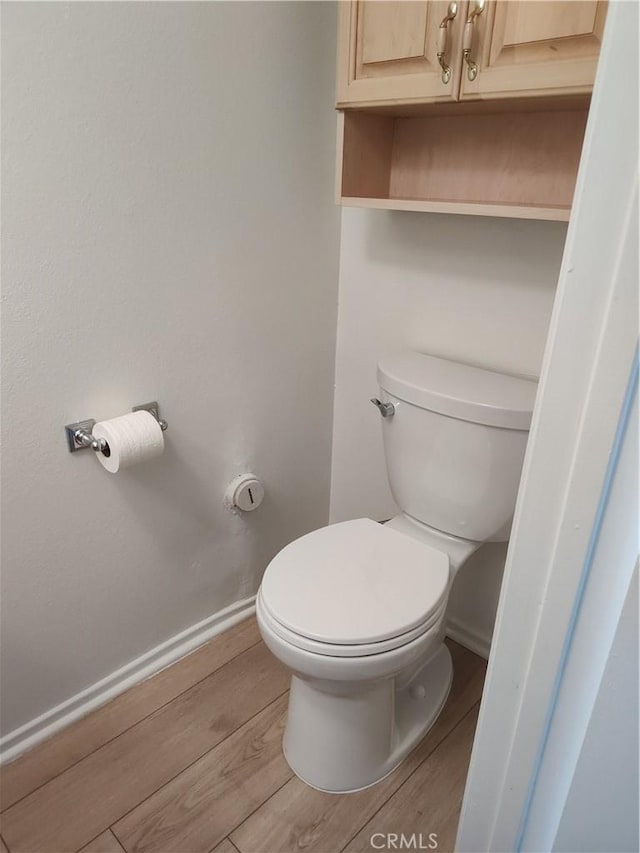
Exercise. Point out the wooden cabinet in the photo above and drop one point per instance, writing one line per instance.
(477, 106)
(533, 47)
(388, 51)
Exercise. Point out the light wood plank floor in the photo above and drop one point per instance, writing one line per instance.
(191, 761)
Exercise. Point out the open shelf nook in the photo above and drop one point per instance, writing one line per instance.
(519, 164)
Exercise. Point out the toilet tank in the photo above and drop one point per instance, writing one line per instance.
(455, 443)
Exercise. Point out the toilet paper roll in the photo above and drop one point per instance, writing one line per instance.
(130, 439)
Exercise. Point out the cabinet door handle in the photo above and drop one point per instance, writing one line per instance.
(467, 37)
(442, 41)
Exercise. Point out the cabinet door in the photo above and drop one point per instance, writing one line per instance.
(387, 51)
(533, 47)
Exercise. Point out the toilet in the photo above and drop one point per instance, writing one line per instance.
(356, 610)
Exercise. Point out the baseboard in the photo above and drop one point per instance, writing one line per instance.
(467, 637)
(42, 727)
(28, 735)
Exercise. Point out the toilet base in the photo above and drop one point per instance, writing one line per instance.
(341, 738)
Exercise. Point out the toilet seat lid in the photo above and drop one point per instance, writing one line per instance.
(355, 582)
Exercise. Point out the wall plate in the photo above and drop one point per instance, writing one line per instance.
(152, 407)
(71, 429)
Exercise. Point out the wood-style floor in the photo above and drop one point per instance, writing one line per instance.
(191, 761)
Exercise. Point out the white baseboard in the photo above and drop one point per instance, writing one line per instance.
(42, 727)
(467, 637)
(28, 735)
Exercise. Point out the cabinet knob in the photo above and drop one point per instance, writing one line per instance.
(442, 41)
(476, 9)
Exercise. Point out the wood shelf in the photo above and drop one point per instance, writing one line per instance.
(554, 214)
(520, 164)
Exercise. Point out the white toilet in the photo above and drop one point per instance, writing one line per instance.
(357, 610)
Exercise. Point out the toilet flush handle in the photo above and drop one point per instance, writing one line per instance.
(387, 410)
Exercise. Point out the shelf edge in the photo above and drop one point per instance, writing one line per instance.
(552, 214)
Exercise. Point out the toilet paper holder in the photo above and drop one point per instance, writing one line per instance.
(79, 435)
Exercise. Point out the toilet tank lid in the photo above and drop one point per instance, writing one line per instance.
(459, 390)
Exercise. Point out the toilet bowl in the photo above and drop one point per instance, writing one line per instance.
(345, 697)
(356, 610)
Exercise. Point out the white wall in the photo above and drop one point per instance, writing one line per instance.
(474, 289)
(169, 234)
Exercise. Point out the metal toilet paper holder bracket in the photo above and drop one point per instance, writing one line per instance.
(79, 435)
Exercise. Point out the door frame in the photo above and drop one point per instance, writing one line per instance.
(589, 376)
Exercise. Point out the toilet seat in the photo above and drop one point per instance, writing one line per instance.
(354, 589)
(343, 650)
